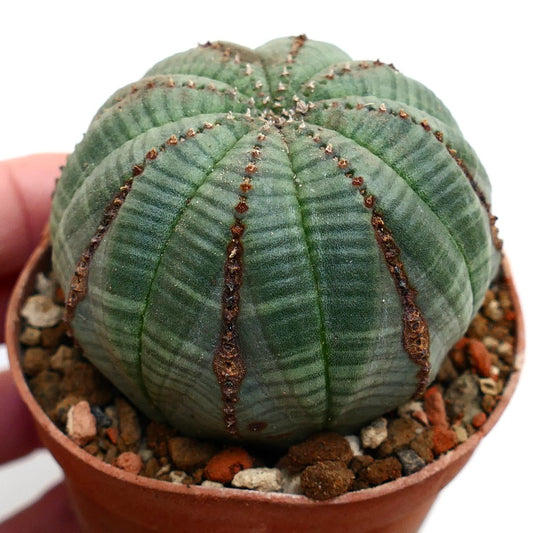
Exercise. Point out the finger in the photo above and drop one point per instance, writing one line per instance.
(16, 425)
(50, 514)
(26, 186)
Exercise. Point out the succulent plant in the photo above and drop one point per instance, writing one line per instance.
(262, 244)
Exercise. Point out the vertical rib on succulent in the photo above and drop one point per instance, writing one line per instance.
(79, 281)
(228, 364)
(415, 331)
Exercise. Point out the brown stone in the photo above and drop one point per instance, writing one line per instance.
(401, 432)
(85, 380)
(30, 336)
(46, 389)
(360, 462)
(157, 436)
(129, 427)
(422, 444)
(320, 447)
(447, 371)
(35, 360)
(381, 470)
(152, 467)
(51, 337)
(479, 327)
(63, 406)
(62, 358)
(326, 479)
(189, 454)
(111, 454)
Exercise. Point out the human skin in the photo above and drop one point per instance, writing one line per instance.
(26, 186)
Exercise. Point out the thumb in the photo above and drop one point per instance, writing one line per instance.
(26, 186)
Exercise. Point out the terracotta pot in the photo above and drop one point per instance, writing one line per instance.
(108, 499)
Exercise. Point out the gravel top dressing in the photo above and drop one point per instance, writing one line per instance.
(84, 405)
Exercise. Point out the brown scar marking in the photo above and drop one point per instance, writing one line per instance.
(79, 281)
(228, 363)
(415, 332)
(415, 335)
(498, 243)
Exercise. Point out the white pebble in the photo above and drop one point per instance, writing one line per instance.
(374, 434)
(177, 476)
(494, 311)
(212, 484)
(146, 454)
(261, 479)
(407, 409)
(505, 348)
(41, 312)
(355, 444)
(489, 386)
(461, 433)
(45, 286)
(491, 343)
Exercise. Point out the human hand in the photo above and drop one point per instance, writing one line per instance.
(26, 185)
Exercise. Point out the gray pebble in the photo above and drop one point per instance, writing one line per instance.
(411, 461)
(291, 483)
(462, 397)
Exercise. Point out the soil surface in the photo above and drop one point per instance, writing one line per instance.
(84, 405)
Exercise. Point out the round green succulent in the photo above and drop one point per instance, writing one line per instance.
(262, 244)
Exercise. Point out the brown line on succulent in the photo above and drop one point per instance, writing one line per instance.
(168, 82)
(228, 363)
(415, 334)
(79, 281)
(498, 243)
(415, 331)
(297, 43)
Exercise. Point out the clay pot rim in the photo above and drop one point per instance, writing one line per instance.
(12, 329)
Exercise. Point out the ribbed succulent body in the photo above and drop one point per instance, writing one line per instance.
(263, 244)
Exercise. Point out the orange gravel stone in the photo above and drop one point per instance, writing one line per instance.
(224, 465)
(435, 408)
(479, 419)
(130, 462)
(112, 434)
(444, 439)
(480, 358)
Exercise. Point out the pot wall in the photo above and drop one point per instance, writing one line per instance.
(109, 499)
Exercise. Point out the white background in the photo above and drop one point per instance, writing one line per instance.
(60, 60)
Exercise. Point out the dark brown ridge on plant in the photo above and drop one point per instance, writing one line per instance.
(228, 363)
(415, 332)
(439, 135)
(79, 281)
(167, 82)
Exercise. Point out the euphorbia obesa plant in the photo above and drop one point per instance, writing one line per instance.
(262, 244)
